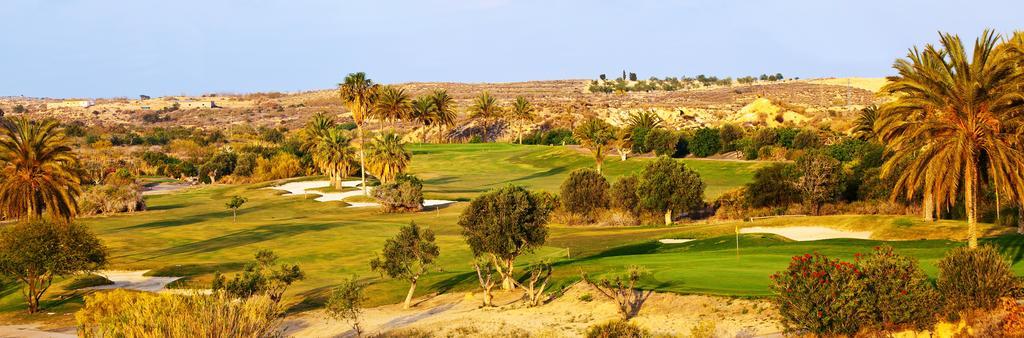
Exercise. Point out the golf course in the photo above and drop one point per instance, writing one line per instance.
(190, 234)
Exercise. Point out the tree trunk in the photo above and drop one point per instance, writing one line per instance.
(622, 155)
(668, 217)
(1020, 219)
(599, 161)
(928, 205)
(408, 297)
(506, 275)
(970, 204)
(234, 215)
(362, 160)
(487, 297)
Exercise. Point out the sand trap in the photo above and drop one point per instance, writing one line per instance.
(303, 187)
(807, 233)
(675, 240)
(134, 280)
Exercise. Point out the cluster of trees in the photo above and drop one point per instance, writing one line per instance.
(670, 83)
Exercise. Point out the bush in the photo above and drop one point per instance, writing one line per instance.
(728, 135)
(898, 291)
(405, 194)
(821, 296)
(111, 199)
(616, 329)
(282, 165)
(764, 137)
(786, 136)
(705, 142)
(623, 194)
(682, 146)
(584, 191)
(122, 313)
(974, 279)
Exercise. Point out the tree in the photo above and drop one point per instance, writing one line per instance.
(806, 139)
(505, 223)
(521, 113)
(623, 142)
(728, 134)
(444, 110)
(773, 186)
(260, 278)
(235, 203)
(666, 185)
(955, 119)
(317, 127)
(639, 125)
(705, 142)
(346, 303)
(536, 283)
(662, 142)
(407, 256)
(583, 192)
(38, 170)
(422, 110)
(485, 270)
(597, 135)
(333, 154)
(358, 94)
(622, 290)
(820, 179)
(36, 251)
(623, 194)
(392, 103)
(485, 108)
(388, 156)
(864, 125)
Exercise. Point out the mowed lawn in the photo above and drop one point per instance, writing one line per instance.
(191, 233)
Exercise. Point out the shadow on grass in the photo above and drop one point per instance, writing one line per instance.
(546, 173)
(445, 285)
(1011, 246)
(166, 207)
(238, 238)
(311, 299)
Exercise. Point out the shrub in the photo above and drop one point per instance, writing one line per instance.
(623, 194)
(973, 279)
(616, 329)
(282, 165)
(260, 278)
(819, 295)
(820, 179)
(405, 194)
(110, 199)
(705, 142)
(764, 137)
(898, 291)
(122, 313)
(732, 204)
(584, 191)
(682, 146)
(346, 303)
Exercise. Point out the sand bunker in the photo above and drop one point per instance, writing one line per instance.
(303, 187)
(675, 240)
(134, 280)
(807, 233)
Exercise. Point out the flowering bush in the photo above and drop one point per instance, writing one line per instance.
(820, 295)
(898, 291)
(882, 292)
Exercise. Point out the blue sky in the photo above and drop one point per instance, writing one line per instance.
(76, 48)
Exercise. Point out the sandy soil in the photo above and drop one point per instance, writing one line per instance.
(675, 240)
(460, 315)
(301, 188)
(807, 233)
(134, 280)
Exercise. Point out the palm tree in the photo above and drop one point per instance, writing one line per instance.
(864, 126)
(485, 108)
(444, 111)
(955, 118)
(317, 126)
(644, 119)
(358, 93)
(38, 171)
(423, 111)
(596, 135)
(392, 104)
(522, 111)
(388, 156)
(334, 155)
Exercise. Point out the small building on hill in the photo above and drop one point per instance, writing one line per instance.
(197, 104)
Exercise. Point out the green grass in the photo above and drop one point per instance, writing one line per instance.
(191, 234)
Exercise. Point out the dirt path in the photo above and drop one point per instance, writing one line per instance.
(33, 331)
(134, 280)
(459, 315)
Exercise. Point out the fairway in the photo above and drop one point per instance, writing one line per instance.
(190, 233)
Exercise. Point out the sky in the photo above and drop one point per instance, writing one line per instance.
(111, 48)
